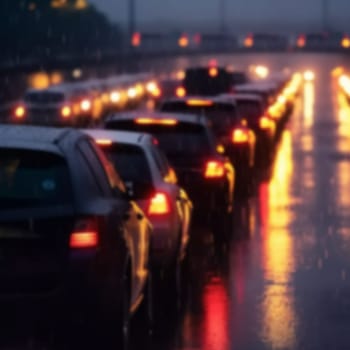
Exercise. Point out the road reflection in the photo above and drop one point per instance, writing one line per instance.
(279, 319)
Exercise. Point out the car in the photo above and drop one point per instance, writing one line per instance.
(229, 129)
(61, 105)
(71, 240)
(152, 181)
(207, 81)
(188, 142)
(251, 108)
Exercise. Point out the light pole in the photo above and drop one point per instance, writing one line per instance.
(131, 20)
(325, 13)
(222, 14)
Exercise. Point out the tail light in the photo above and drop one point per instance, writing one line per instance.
(265, 122)
(66, 111)
(159, 204)
(214, 169)
(240, 136)
(20, 112)
(85, 105)
(85, 234)
(180, 91)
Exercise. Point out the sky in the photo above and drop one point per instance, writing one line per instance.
(283, 14)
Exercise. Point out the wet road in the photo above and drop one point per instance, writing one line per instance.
(283, 282)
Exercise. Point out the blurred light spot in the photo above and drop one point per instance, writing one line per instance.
(309, 75)
(77, 73)
(309, 103)
(39, 81)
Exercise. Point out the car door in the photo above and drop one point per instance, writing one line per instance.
(137, 227)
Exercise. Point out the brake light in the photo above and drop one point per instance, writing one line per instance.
(146, 121)
(240, 136)
(213, 72)
(159, 204)
(84, 235)
(85, 105)
(66, 111)
(265, 122)
(199, 103)
(104, 142)
(181, 91)
(214, 169)
(20, 112)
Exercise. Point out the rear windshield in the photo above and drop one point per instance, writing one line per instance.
(222, 116)
(44, 97)
(249, 109)
(182, 140)
(132, 165)
(199, 82)
(33, 179)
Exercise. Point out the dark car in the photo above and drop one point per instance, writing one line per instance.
(206, 175)
(153, 184)
(71, 241)
(251, 108)
(229, 129)
(207, 81)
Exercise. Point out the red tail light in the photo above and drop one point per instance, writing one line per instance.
(240, 136)
(265, 122)
(214, 169)
(180, 91)
(84, 235)
(159, 204)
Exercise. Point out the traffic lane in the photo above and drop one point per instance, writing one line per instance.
(284, 284)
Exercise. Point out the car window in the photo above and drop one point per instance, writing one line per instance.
(96, 167)
(33, 179)
(131, 163)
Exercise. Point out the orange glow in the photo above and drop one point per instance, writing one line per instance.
(136, 39)
(301, 41)
(169, 122)
(83, 239)
(180, 75)
(104, 142)
(199, 103)
(159, 204)
(249, 41)
(265, 122)
(214, 169)
(56, 78)
(181, 91)
(240, 136)
(345, 43)
(309, 103)
(39, 81)
(66, 112)
(20, 112)
(183, 41)
(213, 72)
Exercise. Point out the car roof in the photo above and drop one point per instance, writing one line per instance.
(182, 118)
(243, 96)
(34, 137)
(215, 99)
(127, 137)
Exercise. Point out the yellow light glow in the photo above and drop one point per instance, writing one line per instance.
(345, 43)
(262, 72)
(309, 75)
(309, 103)
(278, 308)
(132, 92)
(180, 75)
(115, 96)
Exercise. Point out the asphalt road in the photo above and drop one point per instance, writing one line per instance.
(283, 281)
